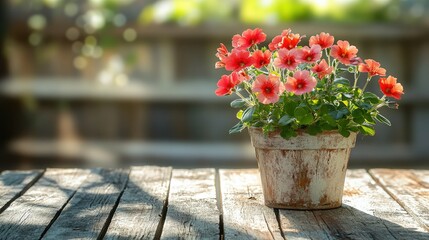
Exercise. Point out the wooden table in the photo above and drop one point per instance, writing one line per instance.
(159, 202)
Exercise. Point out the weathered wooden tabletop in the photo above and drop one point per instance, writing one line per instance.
(156, 202)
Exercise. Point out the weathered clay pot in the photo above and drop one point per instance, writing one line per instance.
(304, 172)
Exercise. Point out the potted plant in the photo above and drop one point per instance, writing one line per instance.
(303, 107)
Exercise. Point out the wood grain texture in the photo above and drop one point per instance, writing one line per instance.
(87, 213)
(140, 210)
(408, 187)
(29, 215)
(244, 214)
(14, 183)
(367, 213)
(192, 210)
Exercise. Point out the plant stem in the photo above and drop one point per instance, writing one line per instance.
(245, 99)
(366, 84)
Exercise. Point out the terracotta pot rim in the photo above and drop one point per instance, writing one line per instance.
(304, 141)
(301, 132)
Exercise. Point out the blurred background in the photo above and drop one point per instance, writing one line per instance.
(115, 83)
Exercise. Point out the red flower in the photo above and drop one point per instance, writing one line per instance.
(268, 88)
(286, 40)
(288, 58)
(241, 75)
(237, 60)
(322, 69)
(323, 39)
(310, 55)
(260, 58)
(248, 38)
(225, 86)
(301, 82)
(372, 68)
(227, 83)
(344, 52)
(222, 54)
(390, 88)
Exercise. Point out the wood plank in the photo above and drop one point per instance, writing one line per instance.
(142, 205)
(14, 183)
(244, 214)
(368, 212)
(32, 213)
(192, 210)
(87, 214)
(410, 188)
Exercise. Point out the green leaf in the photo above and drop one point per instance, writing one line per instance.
(326, 109)
(329, 120)
(344, 132)
(358, 116)
(371, 97)
(383, 119)
(340, 113)
(314, 129)
(287, 133)
(365, 106)
(303, 115)
(237, 128)
(248, 114)
(290, 107)
(342, 81)
(328, 126)
(285, 120)
(238, 103)
(367, 130)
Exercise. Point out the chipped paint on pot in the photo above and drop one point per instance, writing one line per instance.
(304, 172)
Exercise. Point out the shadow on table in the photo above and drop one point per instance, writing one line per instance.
(348, 222)
(342, 223)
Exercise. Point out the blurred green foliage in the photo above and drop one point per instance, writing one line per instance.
(191, 12)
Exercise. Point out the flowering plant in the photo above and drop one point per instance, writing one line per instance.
(294, 88)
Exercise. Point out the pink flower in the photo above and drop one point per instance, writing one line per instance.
(289, 59)
(260, 58)
(344, 52)
(237, 60)
(248, 38)
(267, 88)
(372, 68)
(323, 39)
(322, 69)
(301, 82)
(310, 55)
(286, 40)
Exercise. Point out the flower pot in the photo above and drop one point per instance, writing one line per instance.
(305, 172)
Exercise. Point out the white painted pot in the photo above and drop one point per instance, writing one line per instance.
(304, 172)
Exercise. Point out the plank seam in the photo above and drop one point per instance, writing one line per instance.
(219, 204)
(402, 204)
(112, 212)
(59, 212)
(28, 186)
(164, 211)
(277, 214)
(268, 225)
(327, 229)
